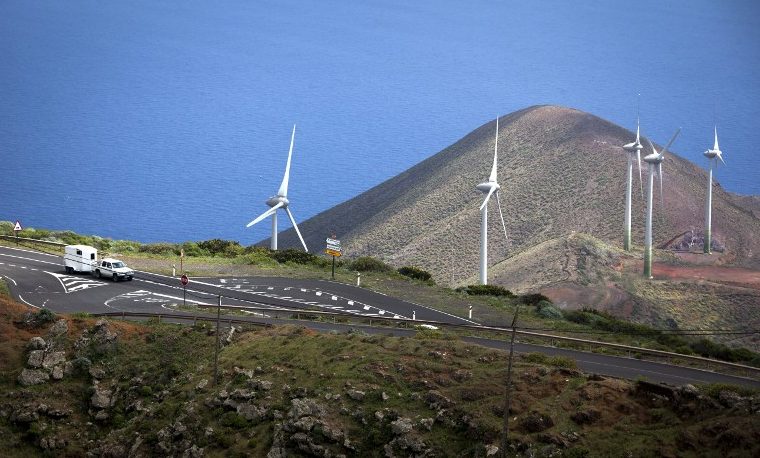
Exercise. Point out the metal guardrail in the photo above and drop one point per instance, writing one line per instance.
(500, 330)
(298, 312)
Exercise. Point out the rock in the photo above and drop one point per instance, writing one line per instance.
(247, 373)
(230, 333)
(251, 412)
(261, 385)
(356, 395)
(729, 398)
(35, 358)
(644, 387)
(460, 375)
(241, 394)
(102, 415)
(101, 398)
(379, 415)
(58, 372)
(26, 414)
(59, 328)
(426, 423)
(53, 359)
(437, 354)
(688, 391)
(202, 384)
(586, 417)
(555, 439)
(536, 422)
(36, 343)
(435, 400)
(491, 450)
(384, 396)
(33, 377)
(97, 373)
(305, 407)
(77, 366)
(402, 426)
(596, 378)
(193, 452)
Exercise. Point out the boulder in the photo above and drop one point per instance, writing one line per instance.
(57, 372)
(356, 395)
(36, 357)
(53, 359)
(251, 411)
(36, 343)
(59, 328)
(33, 377)
(401, 426)
(302, 407)
(202, 384)
(435, 400)
(101, 398)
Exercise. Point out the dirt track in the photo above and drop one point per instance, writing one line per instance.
(734, 276)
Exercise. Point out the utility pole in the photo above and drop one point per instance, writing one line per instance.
(216, 349)
(508, 388)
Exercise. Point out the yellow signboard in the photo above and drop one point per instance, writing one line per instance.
(332, 252)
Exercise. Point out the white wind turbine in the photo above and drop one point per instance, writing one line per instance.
(489, 187)
(655, 166)
(281, 201)
(633, 148)
(712, 156)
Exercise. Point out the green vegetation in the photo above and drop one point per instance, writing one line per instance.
(485, 290)
(417, 274)
(369, 264)
(4, 291)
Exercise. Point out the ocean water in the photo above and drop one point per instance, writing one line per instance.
(170, 120)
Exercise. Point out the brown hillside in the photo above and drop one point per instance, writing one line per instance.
(561, 170)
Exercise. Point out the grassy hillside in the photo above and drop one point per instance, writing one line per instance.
(147, 390)
(561, 171)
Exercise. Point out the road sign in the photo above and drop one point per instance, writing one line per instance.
(333, 252)
(335, 242)
(18, 227)
(184, 280)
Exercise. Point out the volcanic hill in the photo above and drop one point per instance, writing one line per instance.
(561, 171)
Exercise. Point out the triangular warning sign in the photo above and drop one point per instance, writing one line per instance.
(17, 227)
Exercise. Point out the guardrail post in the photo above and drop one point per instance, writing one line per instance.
(159, 318)
(122, 315)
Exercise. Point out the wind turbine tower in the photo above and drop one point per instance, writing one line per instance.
(633, 148)
(281, 201)
(655, 166)
(712, 156)
(489, 187)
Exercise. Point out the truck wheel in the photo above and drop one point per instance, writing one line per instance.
(115, 277)
(97, 273)
(69, 270)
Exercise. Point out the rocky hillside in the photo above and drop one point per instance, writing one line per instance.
(74, 386)
(561, 171)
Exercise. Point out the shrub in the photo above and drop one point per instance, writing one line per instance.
(191, 249)
(546, 309)
(534, 299)
(295, 256)
(233, 420)
(486, 290)
(157, 248)
(416, 273)
(369, 264)
(219, 247)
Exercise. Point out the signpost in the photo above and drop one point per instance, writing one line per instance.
(334, 250)
(16, 229)
(184, 281)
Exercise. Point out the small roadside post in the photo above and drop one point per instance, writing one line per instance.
(16, 229)
(216, 349)
(182, 260)
(334, 250)
(184, 281)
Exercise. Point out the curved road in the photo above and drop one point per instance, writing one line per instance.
(39, 280)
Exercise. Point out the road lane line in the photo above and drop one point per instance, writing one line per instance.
(27, 303)
(9, 278)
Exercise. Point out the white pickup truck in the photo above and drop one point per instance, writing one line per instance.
(83, 258)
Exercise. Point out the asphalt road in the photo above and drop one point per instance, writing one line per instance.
(39, 280)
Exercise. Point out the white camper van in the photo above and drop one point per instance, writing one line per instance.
(80, 258)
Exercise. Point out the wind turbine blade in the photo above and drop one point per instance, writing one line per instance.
(641, 182)
(720, 156)
(485, 202)
(295, 226)
(265, 214)
(284, 185)
(637, 130)
(492, 177)
(715, 146)
(504, 226)
(651, 146)
(672, 139)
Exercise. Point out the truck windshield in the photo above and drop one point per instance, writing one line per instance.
(117, 265)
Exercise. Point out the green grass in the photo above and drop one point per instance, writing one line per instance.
(4, 291)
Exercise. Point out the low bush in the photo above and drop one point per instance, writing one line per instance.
(369, 264)
(486, 290)
(157, 248)
(219, 247)
(295, 256)
(546, 309)
(534, 299)
(416, 273)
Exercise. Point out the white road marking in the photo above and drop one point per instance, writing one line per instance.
(72, 284)
(9, 278)
(27, 303)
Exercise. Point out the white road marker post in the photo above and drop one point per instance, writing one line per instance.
(470, 315)
(414, 315)
(358, 278)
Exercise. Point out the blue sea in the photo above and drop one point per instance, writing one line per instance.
(159, 120)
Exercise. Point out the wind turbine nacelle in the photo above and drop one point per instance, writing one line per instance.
(487, 186)
(633, 147)
(653, 158)
(711, 153)
(272, 201)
